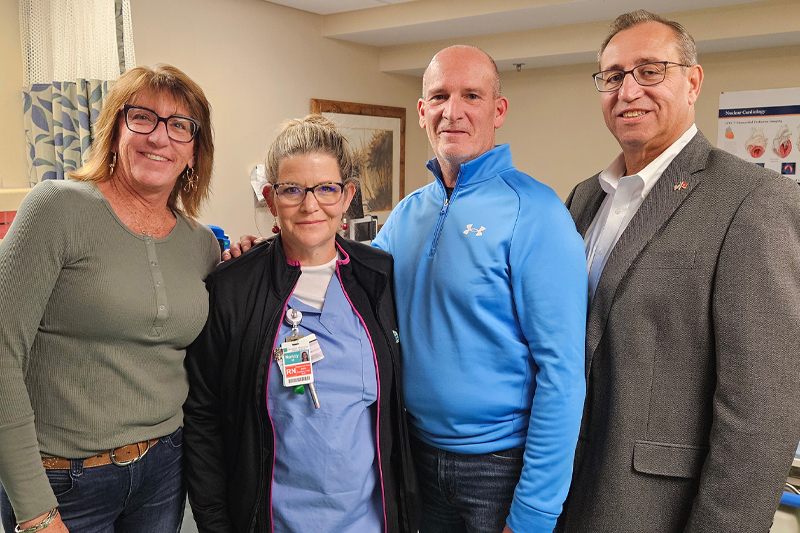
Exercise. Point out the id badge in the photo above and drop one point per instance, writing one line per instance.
(314, 351)
(297, 363)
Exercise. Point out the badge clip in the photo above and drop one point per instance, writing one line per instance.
(296, 358)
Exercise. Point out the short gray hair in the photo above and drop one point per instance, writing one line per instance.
(496, 90)
(687, 49)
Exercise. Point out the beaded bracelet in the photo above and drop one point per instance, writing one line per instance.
(46, 521)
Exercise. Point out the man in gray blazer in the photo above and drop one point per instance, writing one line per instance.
(693, 335)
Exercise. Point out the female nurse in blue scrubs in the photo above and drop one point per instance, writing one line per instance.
(295, 419)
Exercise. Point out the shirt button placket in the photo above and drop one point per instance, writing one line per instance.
(162, 306)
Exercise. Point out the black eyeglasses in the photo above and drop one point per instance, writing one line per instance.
(648, 74)
(142, 120)
(293, 194)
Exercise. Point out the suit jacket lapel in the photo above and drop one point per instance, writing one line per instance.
(588, 209)
(672, 188)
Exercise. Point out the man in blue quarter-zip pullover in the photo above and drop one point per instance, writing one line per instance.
(491, 286)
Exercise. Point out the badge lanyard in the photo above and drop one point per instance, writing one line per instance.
(296, 355)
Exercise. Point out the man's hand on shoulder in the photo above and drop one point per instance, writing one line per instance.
(238, 248)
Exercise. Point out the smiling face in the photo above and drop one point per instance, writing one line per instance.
(647, 120)
(151, 163)
(308, 230)
(459, 108)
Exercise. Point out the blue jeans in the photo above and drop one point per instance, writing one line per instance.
(465, 493)
(144, 497)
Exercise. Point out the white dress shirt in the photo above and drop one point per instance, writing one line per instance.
(624, 195)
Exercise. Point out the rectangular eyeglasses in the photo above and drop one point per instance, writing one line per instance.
(142, 120)
(645, 75)
(291, 194)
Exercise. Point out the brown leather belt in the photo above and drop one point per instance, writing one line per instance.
(121, 456)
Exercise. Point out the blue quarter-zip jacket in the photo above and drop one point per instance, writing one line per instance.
(491, 291)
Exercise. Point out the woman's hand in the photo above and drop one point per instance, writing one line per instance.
(244, 244)
(56, 526)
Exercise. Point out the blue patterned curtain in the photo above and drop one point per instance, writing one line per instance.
(59, 119)
(59, 116)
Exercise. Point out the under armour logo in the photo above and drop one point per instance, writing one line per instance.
(478, 231)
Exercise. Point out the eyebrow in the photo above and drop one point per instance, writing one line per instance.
(640, 61)
(466, 90)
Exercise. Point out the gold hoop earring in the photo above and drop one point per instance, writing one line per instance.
(191, 180)
(112, 164)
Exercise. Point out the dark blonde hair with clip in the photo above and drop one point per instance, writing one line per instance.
(313, 134)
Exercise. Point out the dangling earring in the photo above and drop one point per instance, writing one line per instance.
(275, 228)
(344, 222)
(191, 180)
(112, 164)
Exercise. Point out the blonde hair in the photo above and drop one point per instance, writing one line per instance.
(157, 80)
(313, 134)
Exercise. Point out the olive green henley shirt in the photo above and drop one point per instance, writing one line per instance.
(94, 324)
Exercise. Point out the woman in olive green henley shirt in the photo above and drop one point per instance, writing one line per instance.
(101, 291)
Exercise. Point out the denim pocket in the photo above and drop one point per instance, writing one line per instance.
(511, 454)
(174, 440)
(60, 481)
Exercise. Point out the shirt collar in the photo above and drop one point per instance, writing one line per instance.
(484, 167)
(335, 301)
(609, 178)
(306, 309)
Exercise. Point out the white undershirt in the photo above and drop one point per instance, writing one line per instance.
(313, 283)
(624, 196)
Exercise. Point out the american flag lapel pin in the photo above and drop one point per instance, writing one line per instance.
(680, 186)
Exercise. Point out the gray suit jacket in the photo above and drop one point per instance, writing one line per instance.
(693, 353)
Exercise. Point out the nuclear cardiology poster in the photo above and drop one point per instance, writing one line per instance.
(762, 127)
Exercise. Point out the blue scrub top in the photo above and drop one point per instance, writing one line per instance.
(326, 475)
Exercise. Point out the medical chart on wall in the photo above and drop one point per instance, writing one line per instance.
(762, 127)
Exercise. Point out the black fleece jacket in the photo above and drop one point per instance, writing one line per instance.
(228, 437)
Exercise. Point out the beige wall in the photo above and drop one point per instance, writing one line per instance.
(555, 125)
(260, 63)
(13, 172)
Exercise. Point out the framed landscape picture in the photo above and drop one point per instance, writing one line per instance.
(377, 134)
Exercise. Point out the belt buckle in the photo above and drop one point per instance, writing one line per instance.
(136, 459)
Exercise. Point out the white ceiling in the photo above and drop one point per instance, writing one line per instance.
(540, 33)
(503, 20)
(326, 7)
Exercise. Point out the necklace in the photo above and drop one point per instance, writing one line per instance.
(132, 209)
(139, 224)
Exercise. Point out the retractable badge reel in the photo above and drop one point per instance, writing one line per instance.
(296, 355)
(293, 318)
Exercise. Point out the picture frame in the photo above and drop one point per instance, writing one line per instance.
(377, 134)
